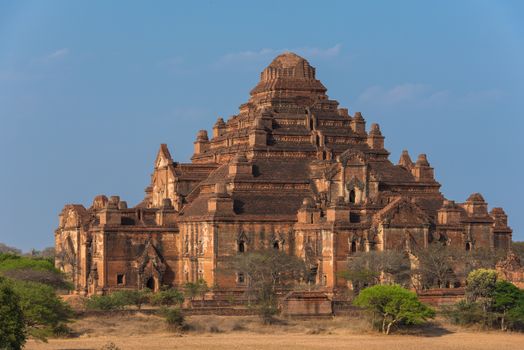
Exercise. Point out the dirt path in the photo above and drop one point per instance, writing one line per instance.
(142, 332)
(248, 341)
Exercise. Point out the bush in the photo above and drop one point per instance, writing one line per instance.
(174, 317)
(394, 305)
(167, 297)
(104, 303)
(12, 326)
(464, 313)
(131, 297)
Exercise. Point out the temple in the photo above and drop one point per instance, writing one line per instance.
(291, 171)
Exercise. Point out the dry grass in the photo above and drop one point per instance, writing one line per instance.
(217, 332)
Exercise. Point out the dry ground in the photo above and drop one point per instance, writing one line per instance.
(214, 332)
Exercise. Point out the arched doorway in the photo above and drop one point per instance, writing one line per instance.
(150, 283)
(352, 196)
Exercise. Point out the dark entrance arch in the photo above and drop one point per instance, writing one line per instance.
(150, 283)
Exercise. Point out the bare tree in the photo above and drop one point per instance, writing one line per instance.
(266, 273)
(370, 268)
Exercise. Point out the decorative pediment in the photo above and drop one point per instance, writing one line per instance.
(163, 157)
(352, 155)
(150, 262)
(355, 183)
(403, 212)
(242, 237)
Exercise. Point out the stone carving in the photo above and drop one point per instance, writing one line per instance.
(288, 142)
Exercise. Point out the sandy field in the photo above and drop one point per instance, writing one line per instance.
(213, 332)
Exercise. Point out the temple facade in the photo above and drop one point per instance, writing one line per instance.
(291, 171)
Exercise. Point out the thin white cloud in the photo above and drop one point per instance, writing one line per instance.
(58, 54)
(268, 53)
(55, 55)
(402, 94)
(422, 95)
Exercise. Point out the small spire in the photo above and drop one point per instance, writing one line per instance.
(202, 136)
(220, 123)
(422, 160)
(375, 130)
(358, 116)
(405, 160)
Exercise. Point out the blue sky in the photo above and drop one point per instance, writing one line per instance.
(88, 90)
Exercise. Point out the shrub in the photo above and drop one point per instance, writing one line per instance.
(104, 303)
(131, 297)
(174, 317)
(12, 326)
(394, 305)
(464, 313)
(167, 297)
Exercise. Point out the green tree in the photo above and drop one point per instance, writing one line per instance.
(267, 272)
(393, 304)
(480, 284)
(45, 313)
(507, 297)
(12, 325)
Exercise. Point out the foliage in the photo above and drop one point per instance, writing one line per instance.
(508, 302)
(45, 314)
(131, 297)
(12, 262)
(174, 317)
(167, 297)
(104, 303)
(12, 325)
(464, 313)
(393, 304)
(367, 268)
(46, 253)
(489, 302)
(198, 288)
(118, 300)
(267, 272)
(32, 269)
(480, 284)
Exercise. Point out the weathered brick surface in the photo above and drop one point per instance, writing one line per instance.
(291, 171)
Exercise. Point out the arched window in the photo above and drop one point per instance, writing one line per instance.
(353, 247)
(241, 247)
(276, 246)
(468, 246)
(352, 196)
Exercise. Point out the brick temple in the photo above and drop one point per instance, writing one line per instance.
(291, 171)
